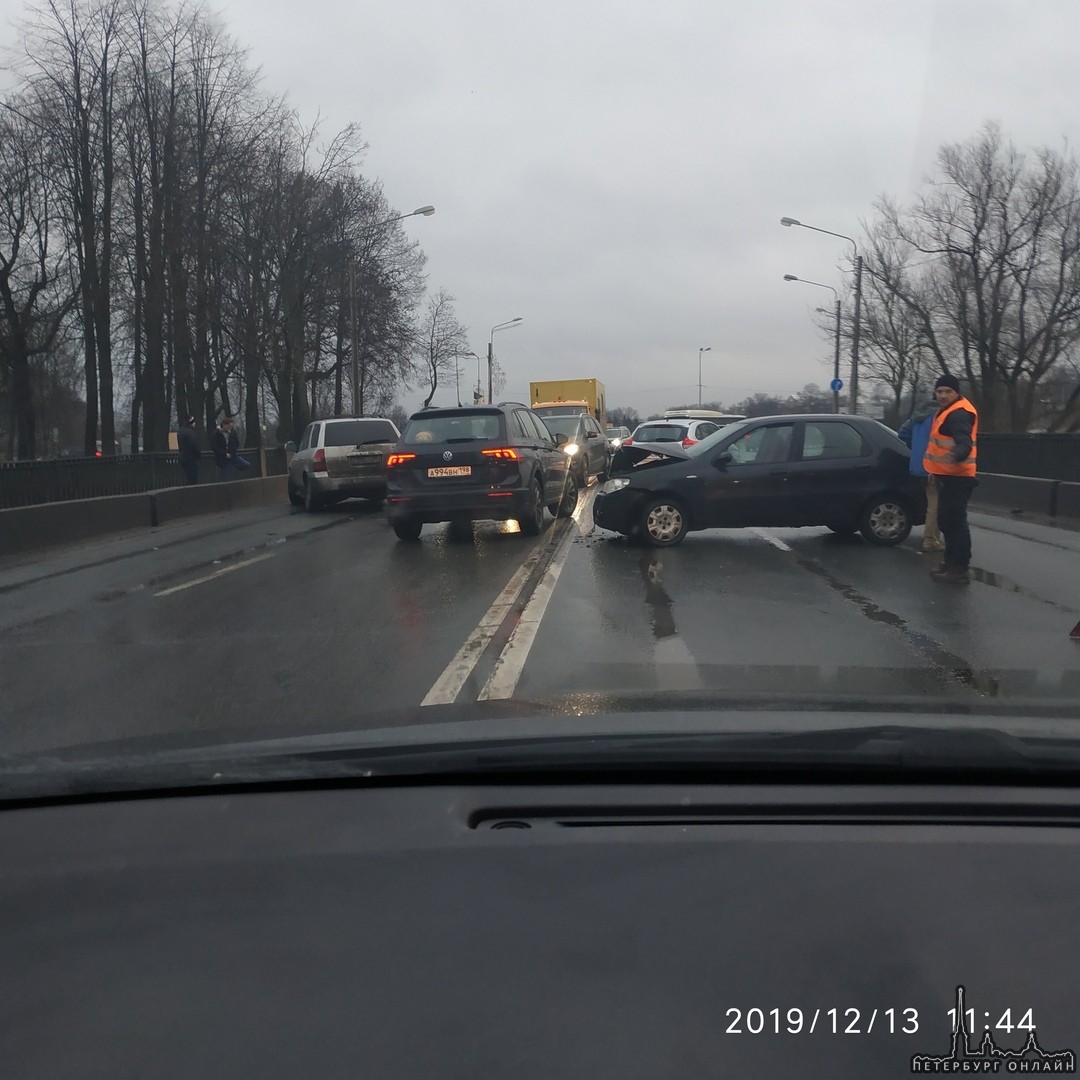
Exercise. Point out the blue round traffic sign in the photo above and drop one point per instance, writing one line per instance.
(836, 385)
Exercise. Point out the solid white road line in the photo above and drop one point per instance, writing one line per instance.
(214, 575)
(511, 662)
(769, 538)
(448, 685)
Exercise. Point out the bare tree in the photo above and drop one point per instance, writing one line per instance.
(73, 50)
(34, 298)
(441, 341)
(996, 246)
(227, 257)
(896, 352)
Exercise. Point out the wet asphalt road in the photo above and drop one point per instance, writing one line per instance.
(273, 622)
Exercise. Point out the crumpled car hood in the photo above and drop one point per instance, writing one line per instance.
(645, 455)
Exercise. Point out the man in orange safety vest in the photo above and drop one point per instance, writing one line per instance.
(951, 458)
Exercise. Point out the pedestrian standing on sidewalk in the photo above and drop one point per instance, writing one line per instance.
(188, 443)
(915, 433)
(951, 458)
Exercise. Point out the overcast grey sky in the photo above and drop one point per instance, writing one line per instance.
(614, 171)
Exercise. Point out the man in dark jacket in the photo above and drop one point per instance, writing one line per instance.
(951, 458)
(225, 445)
(188, 443)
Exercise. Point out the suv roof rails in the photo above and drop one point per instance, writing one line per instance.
(512, 404)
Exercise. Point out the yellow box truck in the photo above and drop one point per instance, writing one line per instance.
(562, 396)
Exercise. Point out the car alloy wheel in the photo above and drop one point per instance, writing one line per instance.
(885, 521)
(663, 523)
(533, 520)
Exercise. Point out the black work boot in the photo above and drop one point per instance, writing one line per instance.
(952, 575)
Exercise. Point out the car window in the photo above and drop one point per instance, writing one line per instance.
(830, 439)
(563, 425)
(523, 428)
(359, 432)
(705, 430)
(316, 430)
(660, 433)
(763, 445)
(453, 427)
(305, 442)
(542, 433)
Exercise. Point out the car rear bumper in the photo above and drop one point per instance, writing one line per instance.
(347, 487)
(475, 504)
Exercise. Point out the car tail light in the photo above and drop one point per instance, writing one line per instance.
(628, 441)
(318, 463)
(398, 459)
(504, 453)
(689, 442)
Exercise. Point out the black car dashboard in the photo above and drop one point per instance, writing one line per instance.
(537, 931)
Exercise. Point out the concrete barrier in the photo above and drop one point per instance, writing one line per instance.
(1015, 493)
(33, 528)
(1068, 501)
(170, 504)
(29, 529)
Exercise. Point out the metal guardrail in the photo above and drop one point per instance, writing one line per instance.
(1042, 456)
(31, 483)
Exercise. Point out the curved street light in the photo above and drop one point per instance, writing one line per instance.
(857, 323)
(836, 361)
(498, 326)
(703, 349)
(420, 211)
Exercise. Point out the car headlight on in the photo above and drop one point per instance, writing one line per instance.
(616, 443)
(571, 448)
(608, 487)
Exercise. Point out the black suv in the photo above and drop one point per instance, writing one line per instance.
(476, 463)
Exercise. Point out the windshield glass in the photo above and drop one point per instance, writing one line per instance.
(358, 432)
(660, 433)
(238, 241)
(710, 441)
(563, 425)
(452, 427)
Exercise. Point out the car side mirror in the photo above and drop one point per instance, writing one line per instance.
(561, 438)
(722, 461)
(290, 447)
(590, 434)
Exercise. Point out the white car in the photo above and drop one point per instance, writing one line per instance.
(674, 429)
(342, 457)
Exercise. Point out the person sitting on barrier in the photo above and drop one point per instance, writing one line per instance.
(226, 448)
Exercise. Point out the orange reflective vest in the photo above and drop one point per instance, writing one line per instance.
(940, 446)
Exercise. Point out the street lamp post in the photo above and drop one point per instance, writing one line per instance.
(478, 393)
(703, 349)
(499, 326)
(420, 211)
(857, 322)
(836, 360)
